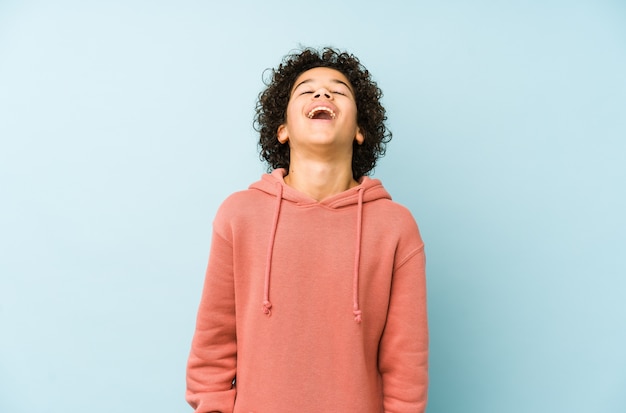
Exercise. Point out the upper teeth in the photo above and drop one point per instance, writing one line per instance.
(320, 108)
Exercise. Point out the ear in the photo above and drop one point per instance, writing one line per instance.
(283, 133)
(359, 138)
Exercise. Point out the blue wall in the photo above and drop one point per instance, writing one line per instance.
(124, 124)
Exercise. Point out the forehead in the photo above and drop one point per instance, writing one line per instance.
(322, 74)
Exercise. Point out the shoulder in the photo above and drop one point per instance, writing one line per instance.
(240, 199)
(242, 209)
(381, 203)
(393, 212)
(240, 203)
(394, 218)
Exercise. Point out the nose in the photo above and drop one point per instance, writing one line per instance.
(322, 92)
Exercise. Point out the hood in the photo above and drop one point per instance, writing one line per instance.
(372, 189)
(274, 184)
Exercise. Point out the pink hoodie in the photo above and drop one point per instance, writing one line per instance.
(312, 306)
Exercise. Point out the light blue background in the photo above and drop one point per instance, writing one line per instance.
(124, 124)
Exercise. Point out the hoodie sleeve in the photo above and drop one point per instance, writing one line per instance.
(212, 361)
(403, 352)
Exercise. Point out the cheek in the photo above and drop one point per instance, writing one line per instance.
(290, 111)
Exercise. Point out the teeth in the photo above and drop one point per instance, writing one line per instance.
(321, 108)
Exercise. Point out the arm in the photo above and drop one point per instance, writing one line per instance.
(403, 352)
(212, 361)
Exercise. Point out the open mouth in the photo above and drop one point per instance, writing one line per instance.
(322, 112)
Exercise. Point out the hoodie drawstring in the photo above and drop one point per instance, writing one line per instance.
(357, 259)
(267, 305)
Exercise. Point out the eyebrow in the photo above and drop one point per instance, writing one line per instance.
(332, 80)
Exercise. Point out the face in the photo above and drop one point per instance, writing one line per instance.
(321, 111)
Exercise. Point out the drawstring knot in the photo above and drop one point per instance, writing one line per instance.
(266, 308)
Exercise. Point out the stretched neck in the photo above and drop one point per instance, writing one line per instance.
(320, 179)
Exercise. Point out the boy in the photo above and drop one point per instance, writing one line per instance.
(315, 297)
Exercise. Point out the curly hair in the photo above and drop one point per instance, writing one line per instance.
(272, 104)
